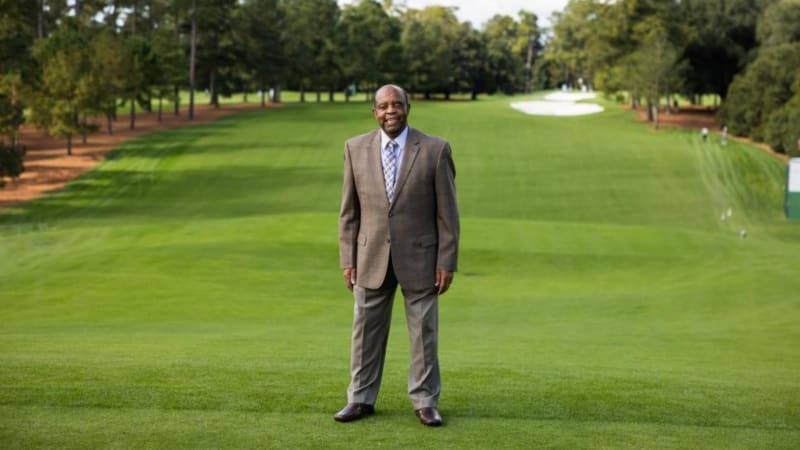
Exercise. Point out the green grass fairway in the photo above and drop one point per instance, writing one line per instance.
(186, 293)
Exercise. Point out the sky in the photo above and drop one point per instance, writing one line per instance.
(480, 11)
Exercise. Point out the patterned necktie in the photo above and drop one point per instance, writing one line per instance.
(389, 156)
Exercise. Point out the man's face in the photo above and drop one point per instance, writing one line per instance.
(391, 111)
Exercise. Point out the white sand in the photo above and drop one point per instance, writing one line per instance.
(560, 104)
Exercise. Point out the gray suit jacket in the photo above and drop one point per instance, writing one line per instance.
(420, 229)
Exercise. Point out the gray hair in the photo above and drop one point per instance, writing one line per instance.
(393, 86)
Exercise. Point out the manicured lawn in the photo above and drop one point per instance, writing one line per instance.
(186, 293)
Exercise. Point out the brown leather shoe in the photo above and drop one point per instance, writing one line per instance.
(429, 416)
(354, 411)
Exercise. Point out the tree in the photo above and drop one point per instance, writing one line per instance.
(308, 31)
(259, 35)
(763, 102)
(722, 43)
(763, 89)
(779, 23)
(653, 69)
(471, 62)
(528, 45)
(11, 117)
(368, 42)
(501, 33)
(217, 55)
(17, 76)
(63, 95)
(428, 47)
(111, 71)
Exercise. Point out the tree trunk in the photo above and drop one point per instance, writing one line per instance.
(331, 94)
(192, 55)
(302, 92)
(109, 123)
(277, 97)
(649, 111)
(160, 106)
(178, 45)
(69, 144)
(474, 95)
(528, 65)
(319, 96)
(213, 86)
(133, 112)
(41, 19)
(263, 94)
(177, 100)
(84, 131)
(655, 115)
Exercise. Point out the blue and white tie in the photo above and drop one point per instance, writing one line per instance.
(389, 156)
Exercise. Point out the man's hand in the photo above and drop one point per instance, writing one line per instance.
(444, 279)
(350, 277)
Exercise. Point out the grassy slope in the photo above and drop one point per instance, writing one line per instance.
(186, 293)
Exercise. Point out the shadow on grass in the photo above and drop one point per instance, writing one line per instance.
(229, 191)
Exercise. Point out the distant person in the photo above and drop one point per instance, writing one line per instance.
(724, 137)
(704, 134)
(398, 225)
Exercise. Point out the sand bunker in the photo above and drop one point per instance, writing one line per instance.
(560, 104)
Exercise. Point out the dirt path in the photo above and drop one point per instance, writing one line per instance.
(48, 167)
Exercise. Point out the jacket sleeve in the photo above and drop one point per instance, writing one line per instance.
(447, 221)
(349, 215)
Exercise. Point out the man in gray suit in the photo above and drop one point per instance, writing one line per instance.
(398, 225)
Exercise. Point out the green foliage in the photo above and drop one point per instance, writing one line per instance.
(778, 24)
(17, 79)
(66, 85)
(506, 69)
(782, 131)
(260, 38)
(723, 40)
(428, 36)
(12, 110)
(761, 91)
(368, 42)
(11, 161)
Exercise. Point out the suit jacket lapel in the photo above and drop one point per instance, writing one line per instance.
(409, 156)
(376, 164)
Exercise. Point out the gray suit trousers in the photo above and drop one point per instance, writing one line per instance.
(371, 322)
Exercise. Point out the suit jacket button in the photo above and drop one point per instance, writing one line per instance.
(388, 241)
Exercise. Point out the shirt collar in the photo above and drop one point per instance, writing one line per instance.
(401, 139)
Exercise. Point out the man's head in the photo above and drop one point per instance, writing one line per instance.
(390, 107)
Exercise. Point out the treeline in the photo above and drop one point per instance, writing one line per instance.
(746, 52)
(68, 61)
(64, 62)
